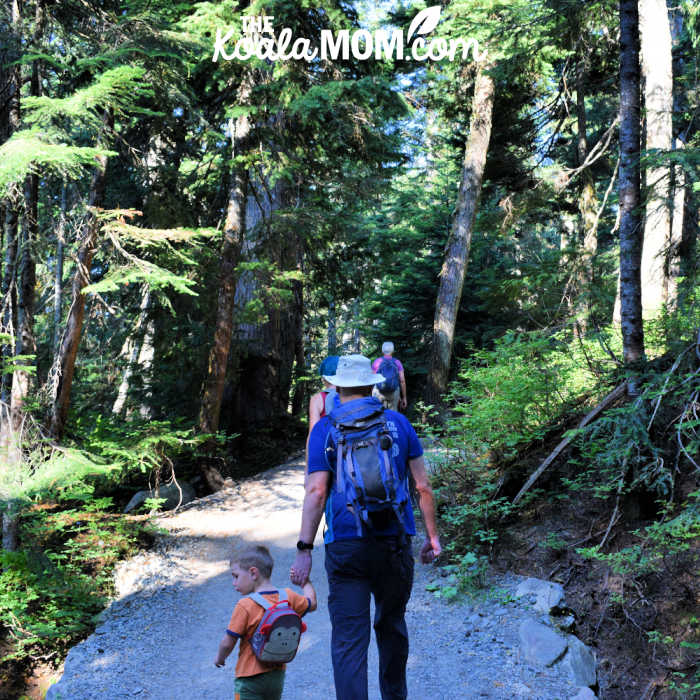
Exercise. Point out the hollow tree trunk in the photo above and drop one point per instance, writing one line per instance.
(455, 265)
(70, 340)
(655, 34)
(629, 186)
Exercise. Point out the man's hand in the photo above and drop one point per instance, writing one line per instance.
(403, 403)
(301, 568)
(430, 550)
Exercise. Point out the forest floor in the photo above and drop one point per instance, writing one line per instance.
(159, 637)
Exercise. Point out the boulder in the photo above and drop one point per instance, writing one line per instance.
(540, 645)
(545, 594)
(169, 492)
(580, 662)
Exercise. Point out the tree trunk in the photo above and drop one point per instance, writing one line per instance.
(682, 223)
(70, 340)
(332, 328)
(655, 33)
(356, 339)
(234, 233)
(672, 269)
(455, 265)
(587, 209)
(629, 186)
(689, 238)
(300, 369)
(26, 342)
(132, 348)
(300, 366)
(9, 437)
(9, 288)
(267, 350)
(58, 272)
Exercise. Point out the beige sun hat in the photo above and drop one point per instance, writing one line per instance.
(354, 370)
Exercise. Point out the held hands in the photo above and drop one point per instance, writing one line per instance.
(301, 568)
(430, 550)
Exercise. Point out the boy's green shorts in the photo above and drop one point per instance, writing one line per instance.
(263, 686)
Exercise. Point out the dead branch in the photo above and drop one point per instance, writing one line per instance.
(607, 401)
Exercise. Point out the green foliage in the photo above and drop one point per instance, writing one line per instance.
(32, 151)
(54, 585)
(670, 537)
(51, 590)
(153, 504)
(117, 89)
(508, 396)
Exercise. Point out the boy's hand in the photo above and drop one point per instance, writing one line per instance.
(430, 550)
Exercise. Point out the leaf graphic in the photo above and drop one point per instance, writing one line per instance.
(424, 22)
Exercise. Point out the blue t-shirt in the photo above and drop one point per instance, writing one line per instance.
(340, 522)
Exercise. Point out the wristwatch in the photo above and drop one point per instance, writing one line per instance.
(301, 545)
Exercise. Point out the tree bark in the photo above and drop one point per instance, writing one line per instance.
(689, 238)
(587, 209)
(454, 267)
(655, 33)
(629, 186)
(58, 272)
(234, 233)
(135, 344)
(9, 287)
(332, 328)
(26, 341)
(267, 350)
(70, 340)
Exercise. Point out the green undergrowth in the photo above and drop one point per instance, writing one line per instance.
(635, 470)
(504, 401)
(60, 578)
(66, 503)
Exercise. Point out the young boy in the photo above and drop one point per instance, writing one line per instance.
(251, 571)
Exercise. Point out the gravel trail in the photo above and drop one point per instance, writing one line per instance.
(159, 636)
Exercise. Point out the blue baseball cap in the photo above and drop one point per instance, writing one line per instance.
(328, 366)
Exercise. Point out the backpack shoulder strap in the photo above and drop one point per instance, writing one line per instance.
(329, 402)
(260, 600)
(282, 595)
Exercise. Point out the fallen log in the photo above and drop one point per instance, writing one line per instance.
(615, 394)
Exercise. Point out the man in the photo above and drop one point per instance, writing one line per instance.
(371, 562)
(398, 396)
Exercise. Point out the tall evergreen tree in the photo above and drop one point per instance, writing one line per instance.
(631, 233)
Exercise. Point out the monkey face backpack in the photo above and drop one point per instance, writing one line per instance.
(277, 637)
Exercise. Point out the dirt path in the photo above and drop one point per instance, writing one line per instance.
(159, 638)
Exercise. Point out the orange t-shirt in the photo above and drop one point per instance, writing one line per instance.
(245, 620)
